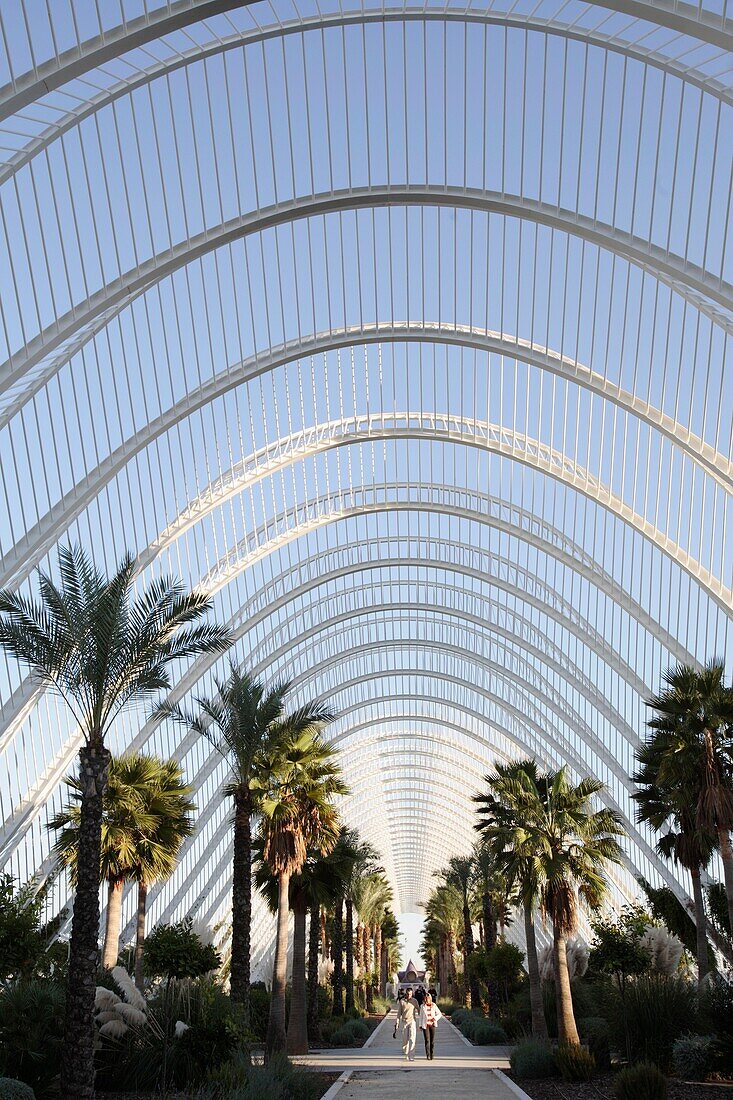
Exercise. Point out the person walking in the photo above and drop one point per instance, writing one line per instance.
(428, 1020)
(407, 1019)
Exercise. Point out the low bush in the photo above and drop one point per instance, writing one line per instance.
(644, 1081)
(10, 1089)
(487, 1034)
(448, 1008)
(652, 1014)
(31, 1031)
(470, 1022)
(279, 1080)
(575, 1063)
(693, 1056)
(259, 1012)
(596, 1034)
(717, 1019)
(459, 1015)
(533, 1059)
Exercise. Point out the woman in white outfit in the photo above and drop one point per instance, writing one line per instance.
(428, 1021)
(407, 1019)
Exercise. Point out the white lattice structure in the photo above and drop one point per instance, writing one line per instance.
(406, 332)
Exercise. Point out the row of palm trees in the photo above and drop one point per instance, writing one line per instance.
(103, 647)
(543, 845)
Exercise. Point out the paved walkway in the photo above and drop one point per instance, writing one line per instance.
(379, 1071)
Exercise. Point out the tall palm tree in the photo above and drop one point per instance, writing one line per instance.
(566, 843)
(146, 816)
(371, 896)
(501, 813)
(459, 874)
(242, 722)
(100, 647)
(694, 718)
(668, 802)
(363, 863)
(169, 813)
(444, 907)
(301, 780)
(343, 854)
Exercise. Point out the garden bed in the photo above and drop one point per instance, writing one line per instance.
(372, 1022)
(601, 1088)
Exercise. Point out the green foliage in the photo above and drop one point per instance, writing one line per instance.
(351, 1034)
(668, 910)
(716, 1017)
(175, 951)
(24, 947)
(644, 1081)
(504, 968)
(654, 1012)
(487, 1034)
(279, 1080)
(693, 1056)
(575, 1062)
(533, 1059)
(459, 1015)
(718, 908)
(31, 1030)
(585, 1002)
(259, 1012)
(616, 948)
(596, 1034)
(10, 1089)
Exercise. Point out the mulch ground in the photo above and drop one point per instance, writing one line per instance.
(327, 1078)
(601, 1088)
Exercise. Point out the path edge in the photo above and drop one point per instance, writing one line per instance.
(512, 1085)
(337, 1085)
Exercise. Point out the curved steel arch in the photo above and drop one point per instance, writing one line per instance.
(685, 18)
(712, 461)
(343, 18)
(692, 283)
(464, 431)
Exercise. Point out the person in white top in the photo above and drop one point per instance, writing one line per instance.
(407, 1018)
(428, 1021)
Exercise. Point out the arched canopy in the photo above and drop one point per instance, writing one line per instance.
(406, 333)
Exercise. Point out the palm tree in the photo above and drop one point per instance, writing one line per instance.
(560, 845)
(459, 874)
(100, 648)
(695, 722)
(363, 863)
(501, 813)
(444, 907)
(146, 816)
(343, 855)
(669, 802)
(301, 780)
(242, 721)
(371, 895)
(169, 813)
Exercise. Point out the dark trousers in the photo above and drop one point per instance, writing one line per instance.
(429, 1036)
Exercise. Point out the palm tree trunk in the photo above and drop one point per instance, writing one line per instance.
(567, 1032)
(115, 889)
(142, 904)
(451, 972)
(726, 855)
(378, 956)
(359, 952)
(539, 1024)
(701, 929)
(383, 965)
(349, 936)
(77, 1062)
(298, 1021)
(470, 980)
(275, 1040)
(314, 1027)
(242, 900)
(325, 942)
(337, 947)
(489, 922)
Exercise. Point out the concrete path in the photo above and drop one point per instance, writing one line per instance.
(378, 1071)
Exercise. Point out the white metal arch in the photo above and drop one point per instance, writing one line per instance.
(698, 287)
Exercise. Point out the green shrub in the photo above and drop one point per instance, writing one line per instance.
(10, 1089)
(280, 1080)
(31, 1031)
(459, 1015)
(343, 1037)
(175, 951)
(693, 1056)
(654, 1011)
(469, 1023)
(717, 1019)
(359, 1029)
(644, 1081)
(575, 1062)
(596, 1034)
(259, 1012)
(487, 1034)
(533, 1059)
